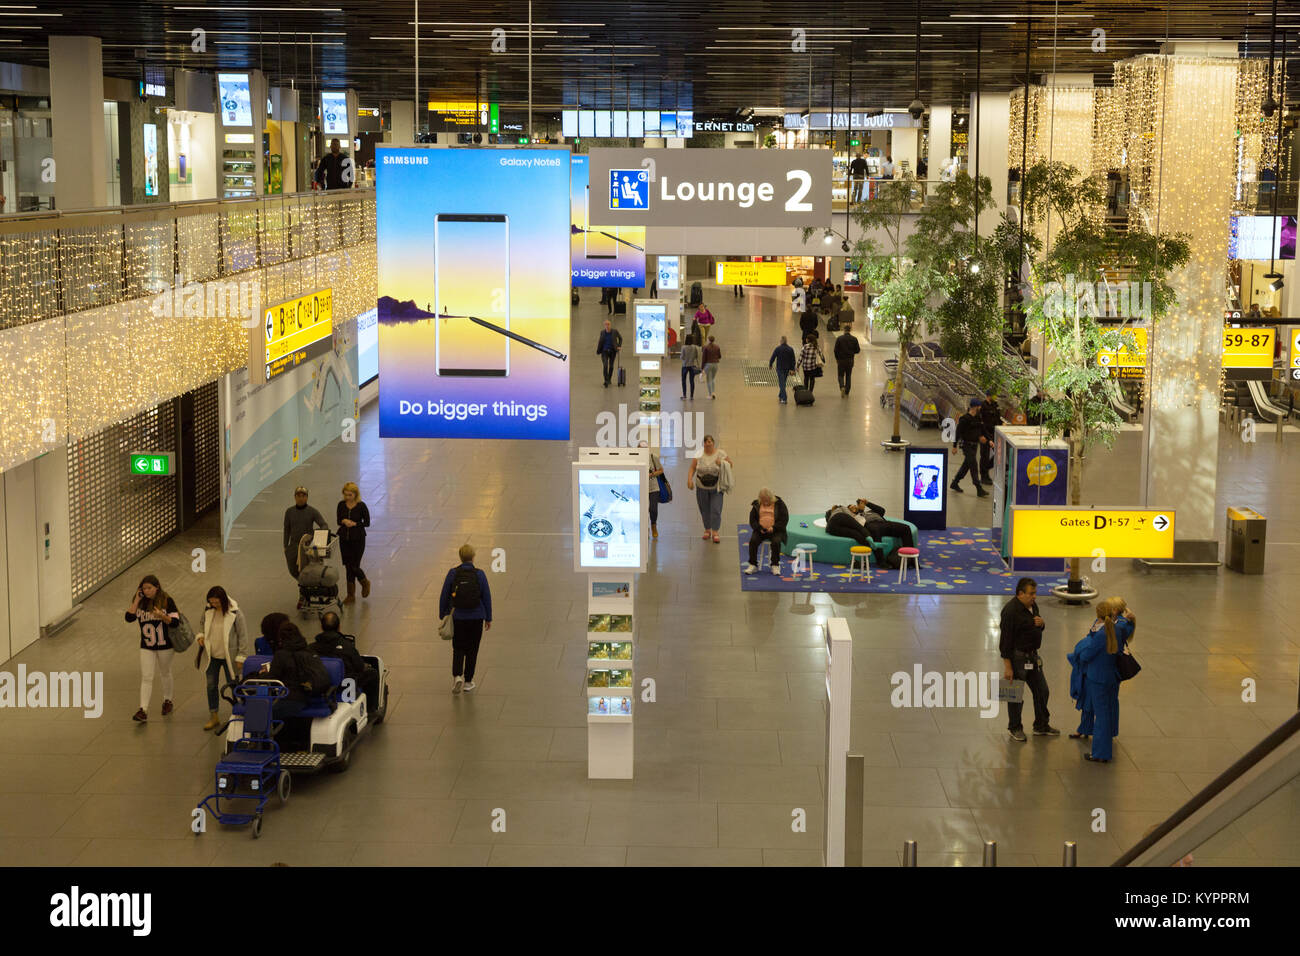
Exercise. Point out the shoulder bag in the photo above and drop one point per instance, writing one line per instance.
(445, 628)
(1126, 664)
(182, 635)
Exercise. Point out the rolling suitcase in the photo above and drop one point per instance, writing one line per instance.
(697, 293)
(803, 396)
(622, 376)
(620, 307)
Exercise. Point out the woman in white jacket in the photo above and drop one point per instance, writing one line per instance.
(226, 642)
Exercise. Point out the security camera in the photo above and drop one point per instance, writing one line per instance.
(916, 108)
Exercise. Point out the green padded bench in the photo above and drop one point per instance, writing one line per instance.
(832, 549)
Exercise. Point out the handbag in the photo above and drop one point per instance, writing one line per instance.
(182, 636)
(445, 628)
(1126, 664)
(665, 490)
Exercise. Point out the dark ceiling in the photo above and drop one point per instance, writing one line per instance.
(729, 54)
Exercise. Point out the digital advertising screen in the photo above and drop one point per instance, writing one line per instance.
(1262, 237)
(925, 500)
(150, 159)
(334, 112)
(235, 98)
(473, 294)
(669, 272)
(610, 514)
(367, 346)
(601, 255)
(651, 328)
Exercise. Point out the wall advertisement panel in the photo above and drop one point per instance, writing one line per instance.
(268, 430)
(473, 292)
(602, 255)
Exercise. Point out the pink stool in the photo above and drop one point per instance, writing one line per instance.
(913, 555)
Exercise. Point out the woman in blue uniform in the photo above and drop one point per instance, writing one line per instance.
(1094, 657)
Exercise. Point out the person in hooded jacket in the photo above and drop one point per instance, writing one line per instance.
(330, 642)
(286, 667)
(1095, 677)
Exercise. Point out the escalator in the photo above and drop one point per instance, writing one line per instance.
(1249, 815)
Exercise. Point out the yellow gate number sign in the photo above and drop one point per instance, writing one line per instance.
(1248, 348)
(1082, 532)
(298, 330)
(751, 273)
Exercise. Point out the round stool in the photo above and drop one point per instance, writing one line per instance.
(909, 554)
(764, 546)
(860, 553)
(802, 555)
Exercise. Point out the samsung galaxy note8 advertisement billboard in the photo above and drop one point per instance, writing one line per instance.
(473, 281)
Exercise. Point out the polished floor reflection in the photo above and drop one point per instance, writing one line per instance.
(735, 741)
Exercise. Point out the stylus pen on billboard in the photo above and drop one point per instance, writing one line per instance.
(599, 232)
(517, 337)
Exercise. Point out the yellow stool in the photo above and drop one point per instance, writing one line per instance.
(860, 553)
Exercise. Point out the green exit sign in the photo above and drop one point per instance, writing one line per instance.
(152, 463)
(855, 142)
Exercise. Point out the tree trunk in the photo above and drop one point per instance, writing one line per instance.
(898, 390)
(1076, 495)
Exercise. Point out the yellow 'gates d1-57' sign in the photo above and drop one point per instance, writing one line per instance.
(1082, 532)
(751, 273)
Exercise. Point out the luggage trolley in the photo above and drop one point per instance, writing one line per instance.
(318, 581)
(251, 770)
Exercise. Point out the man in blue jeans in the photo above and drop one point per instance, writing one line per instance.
(783, 358)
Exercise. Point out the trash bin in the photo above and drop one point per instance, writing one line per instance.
(1246, 541)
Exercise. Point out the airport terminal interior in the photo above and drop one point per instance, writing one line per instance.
(462, 266)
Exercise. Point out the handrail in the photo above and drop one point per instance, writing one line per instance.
(1215, 787)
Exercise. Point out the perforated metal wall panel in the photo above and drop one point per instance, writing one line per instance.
(116, 517)
(207, 448)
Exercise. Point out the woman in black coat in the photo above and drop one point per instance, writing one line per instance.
(768, 517)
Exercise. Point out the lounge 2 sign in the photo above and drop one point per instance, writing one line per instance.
(715, 187)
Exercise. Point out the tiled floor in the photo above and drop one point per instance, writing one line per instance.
(734, 743)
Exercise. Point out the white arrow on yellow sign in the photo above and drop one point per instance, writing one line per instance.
(1081, 532)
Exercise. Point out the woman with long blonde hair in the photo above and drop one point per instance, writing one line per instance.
(1096, 678)
(353, 518)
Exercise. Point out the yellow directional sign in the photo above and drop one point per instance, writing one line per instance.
(1130, 360)
(1295, 351)
(1081, 532)
(297, 330)
(1248, 348)
(751, 273)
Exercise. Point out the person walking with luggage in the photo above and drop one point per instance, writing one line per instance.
(467, 598)
(990, 418)
(1021, 637)
(970, 436)
(783, 358)
(354, 519)
(607, 347)
(1095, 676)
(225, 637)
(846, 350)
(692, 358)
(712, 355)
(711, 472)
(300, 519)
(768, 517)
(156, 613)
(811, 361)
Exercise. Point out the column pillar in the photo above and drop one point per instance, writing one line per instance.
(1180, 139)
(77, 111)
(401, 129)
(989, 131)
(940, 150)
(906, 148)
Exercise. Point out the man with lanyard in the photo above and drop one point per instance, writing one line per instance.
(335, 169)
(1021, 637)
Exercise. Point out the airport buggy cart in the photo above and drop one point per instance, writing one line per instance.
(250, 772)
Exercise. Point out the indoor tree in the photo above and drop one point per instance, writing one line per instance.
(1077, 392)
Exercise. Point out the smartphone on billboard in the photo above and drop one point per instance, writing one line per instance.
(598, 244)
(471, 277)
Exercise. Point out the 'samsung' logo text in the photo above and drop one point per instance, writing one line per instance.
(391, 160)
(76, 909)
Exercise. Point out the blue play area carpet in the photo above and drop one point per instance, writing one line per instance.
(955, 561)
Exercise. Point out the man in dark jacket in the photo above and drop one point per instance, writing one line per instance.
(970, 435)
(783, 359)
(1021, 637)
(607, 347)
(330, 643)
(335, 169)
(299, 520)
(768, 517)
(846, 350)
(879, 527)
(286, 667)
(990, 418)
(808, 324)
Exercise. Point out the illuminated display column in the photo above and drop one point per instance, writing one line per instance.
(1062, 118)
(1179, 129)
(989, 129)
(77, 108)
(940, 149)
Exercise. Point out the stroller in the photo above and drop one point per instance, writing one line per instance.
(318, 582)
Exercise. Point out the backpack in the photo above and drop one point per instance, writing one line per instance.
(312, 676)
(465, 592)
